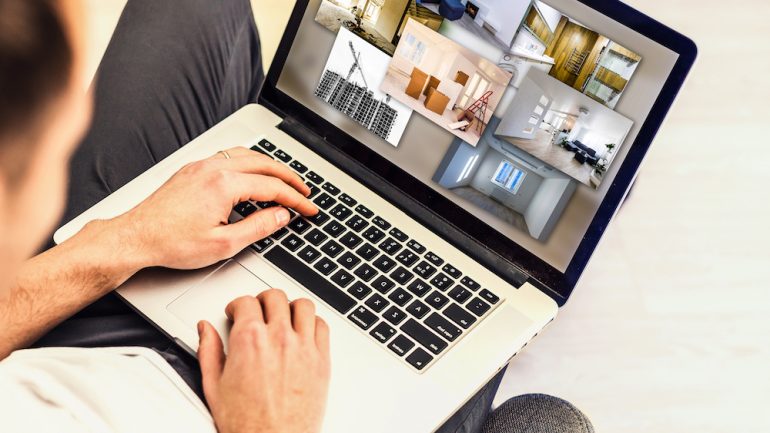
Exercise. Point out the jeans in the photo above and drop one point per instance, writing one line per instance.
(173, 69)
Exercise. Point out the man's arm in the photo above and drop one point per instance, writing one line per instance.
(183, 225)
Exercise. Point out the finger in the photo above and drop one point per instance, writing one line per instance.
(211, 356)
(322, 336)
(265, 188)
(275, 305)
(244, 309)
(303, 317)
(254, 227)
(256, 163)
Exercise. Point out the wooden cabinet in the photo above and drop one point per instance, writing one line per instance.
(537, 25)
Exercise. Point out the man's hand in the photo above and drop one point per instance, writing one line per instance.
(275, 377)
(184, 225)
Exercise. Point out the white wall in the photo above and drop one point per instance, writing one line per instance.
(547, 205)
(516, 119)
(455, 161)
(390, 17)
(482, 181)
(505, 15)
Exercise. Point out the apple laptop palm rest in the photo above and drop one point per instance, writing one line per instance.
(207, 300)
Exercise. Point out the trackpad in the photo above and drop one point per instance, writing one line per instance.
(207, 300)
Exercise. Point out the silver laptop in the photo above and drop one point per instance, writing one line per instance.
(466, 157)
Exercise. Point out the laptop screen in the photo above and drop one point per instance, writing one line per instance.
(518, 112)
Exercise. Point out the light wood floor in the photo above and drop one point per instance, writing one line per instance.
(668, 329)
(559, 158)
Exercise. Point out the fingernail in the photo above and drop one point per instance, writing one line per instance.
(282, 216)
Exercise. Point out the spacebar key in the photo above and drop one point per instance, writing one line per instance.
(308, 278)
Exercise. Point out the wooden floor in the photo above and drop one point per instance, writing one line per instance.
(668, 330)
(556, 156)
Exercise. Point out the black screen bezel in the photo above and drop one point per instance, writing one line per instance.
(559, 285)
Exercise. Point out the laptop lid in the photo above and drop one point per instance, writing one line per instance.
(514, 128)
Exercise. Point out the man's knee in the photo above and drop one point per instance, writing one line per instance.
(537, 413)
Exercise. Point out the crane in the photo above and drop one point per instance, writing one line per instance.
(356, 64)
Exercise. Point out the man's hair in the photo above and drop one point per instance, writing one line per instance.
(35, 67)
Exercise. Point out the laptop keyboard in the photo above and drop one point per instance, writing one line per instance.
(388, 284)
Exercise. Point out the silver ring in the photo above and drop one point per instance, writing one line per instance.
(224, 152)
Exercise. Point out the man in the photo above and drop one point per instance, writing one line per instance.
(174, 69)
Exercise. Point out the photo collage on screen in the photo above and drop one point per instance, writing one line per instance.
(528, 93)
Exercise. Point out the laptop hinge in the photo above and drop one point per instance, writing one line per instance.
(488, 258)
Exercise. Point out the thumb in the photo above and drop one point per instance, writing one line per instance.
(258, 225)
(211, 356)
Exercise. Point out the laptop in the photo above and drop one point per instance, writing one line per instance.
(466, 157)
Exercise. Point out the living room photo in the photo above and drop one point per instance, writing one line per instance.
(514, 187)
(566, 129)
(379, 22)
(450, 85)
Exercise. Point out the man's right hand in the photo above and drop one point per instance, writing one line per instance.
(275, 377)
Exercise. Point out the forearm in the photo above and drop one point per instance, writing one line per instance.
(58, 283)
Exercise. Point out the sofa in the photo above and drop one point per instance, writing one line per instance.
(452, 10)
(583, 153)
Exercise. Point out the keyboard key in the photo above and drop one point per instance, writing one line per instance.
(394, 315)
(419, 288)
(382, 284)
(245, 209)
(314, 190)
(278, 234)
(401, 345)
(489, 296)
(390, 246)
(424, 269)
(424, 336)
(262, 244)
(332, 249)
(325, 266)
(356, 223)
(350, 240)
(341, 212)
(470, 283)
(443, 327)
(381, 223)
(266, 204)
(281, 155)
(363, 317)
(342, 278)
(367, 251)
(400, 297)
(416, 246)
(451, 271)
(401, 275)
(293, 243)
(262, 151)
(299, 225)
(324, 201)
(477, 307)
(359, 290)
(373, 235)
(460, 294)
(441, 282)
(348, 260)
(348, 200)
(268, 146)
(309, 279)
(417, 309)
(398, 234)
(365, 272)
(419, 358)
(382, 332)
(334, 228)
(407, 258)
(298, 167)
(436, 300)
(314, 177)
(433, 258)
(316, 237)
(319, 218)
(309, 254)
(377, 302)
(384, 263)
(330, 188)
(458, 315)
(364, 211)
